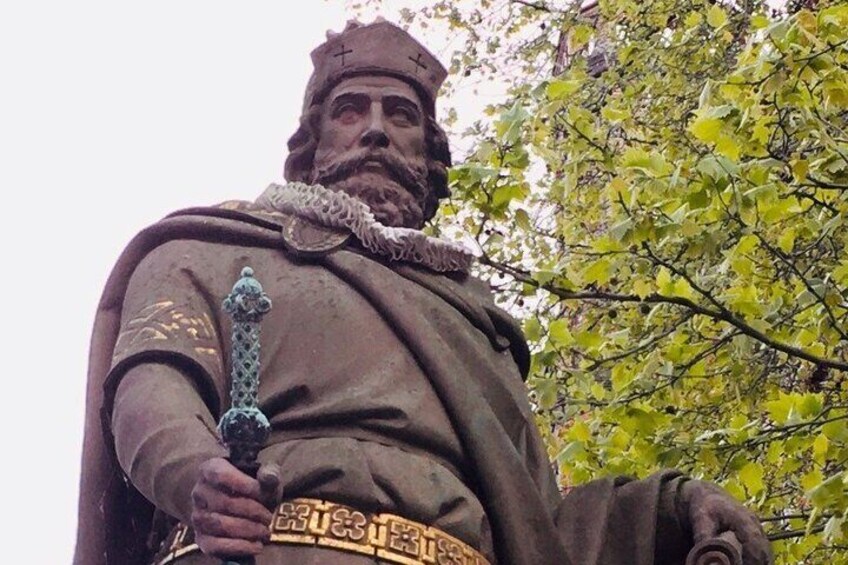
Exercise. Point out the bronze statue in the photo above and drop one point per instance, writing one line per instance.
(400, 426)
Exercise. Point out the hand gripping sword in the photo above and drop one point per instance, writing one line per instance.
(244, 428)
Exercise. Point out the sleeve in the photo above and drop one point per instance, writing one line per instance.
(168, 317)
(163, 431)
(165, 386)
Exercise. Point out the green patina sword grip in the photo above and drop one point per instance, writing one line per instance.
(244, 428)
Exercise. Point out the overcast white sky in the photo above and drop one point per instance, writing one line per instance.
(113, 114)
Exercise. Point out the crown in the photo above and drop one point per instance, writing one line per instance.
(380, 48)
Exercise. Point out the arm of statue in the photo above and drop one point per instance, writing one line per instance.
(653, 521)
(692, 511)
(166, 443)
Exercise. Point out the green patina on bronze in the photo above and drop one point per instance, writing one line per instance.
(244, 428)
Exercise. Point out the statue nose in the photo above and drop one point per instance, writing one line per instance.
(375, 135)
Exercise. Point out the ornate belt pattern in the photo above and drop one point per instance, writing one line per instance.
(307, 521)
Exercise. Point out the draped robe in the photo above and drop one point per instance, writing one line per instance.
(472, 355)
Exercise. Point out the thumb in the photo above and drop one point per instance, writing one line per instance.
(268, 476)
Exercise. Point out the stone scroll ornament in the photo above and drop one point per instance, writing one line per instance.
(723, 549)
(244, 428)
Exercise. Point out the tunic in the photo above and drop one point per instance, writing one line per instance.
(354, 420)
(441, 398)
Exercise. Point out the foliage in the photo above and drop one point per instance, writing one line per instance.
(673, 233)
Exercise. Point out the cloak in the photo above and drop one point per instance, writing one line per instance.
(608, 522)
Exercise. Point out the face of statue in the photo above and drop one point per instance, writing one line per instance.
(372, 145)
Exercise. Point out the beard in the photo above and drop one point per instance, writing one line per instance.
(397, 198)
(391, 204)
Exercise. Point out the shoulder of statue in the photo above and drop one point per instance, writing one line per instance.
(300, 236)
(297, 235)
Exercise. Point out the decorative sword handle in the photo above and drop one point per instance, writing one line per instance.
(244, 428)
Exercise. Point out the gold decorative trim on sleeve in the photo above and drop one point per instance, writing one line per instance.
(307, 521)
(164, 321)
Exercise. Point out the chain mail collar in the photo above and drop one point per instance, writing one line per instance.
(339, 210)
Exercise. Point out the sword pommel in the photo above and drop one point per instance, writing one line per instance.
(247, 302)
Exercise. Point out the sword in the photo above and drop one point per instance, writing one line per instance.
(244, 428)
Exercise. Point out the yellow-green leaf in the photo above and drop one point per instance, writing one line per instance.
(664, 283)
(642, 288)
(693, 19)
(728, 147)
(559, 334)
(559, 89)
(589, 339)
(716, 17)
(786, 241)
(759, 21)
(598, 391)
(580, 431)
(682, 289)
(706, 129)
(599, 272)
(751, 476)
(812, 479)
(820, 446)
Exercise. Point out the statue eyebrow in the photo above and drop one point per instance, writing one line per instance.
(358, 99)
(398, 100)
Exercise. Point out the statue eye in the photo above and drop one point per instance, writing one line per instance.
(404, 116)
(347, 113)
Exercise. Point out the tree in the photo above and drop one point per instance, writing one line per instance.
(673, 233)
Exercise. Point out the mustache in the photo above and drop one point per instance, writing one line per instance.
(409, 176)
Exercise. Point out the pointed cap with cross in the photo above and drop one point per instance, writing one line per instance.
(379, 48)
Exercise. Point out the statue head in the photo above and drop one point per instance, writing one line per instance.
(368, 126)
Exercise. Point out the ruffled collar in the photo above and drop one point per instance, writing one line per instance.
(339, 210)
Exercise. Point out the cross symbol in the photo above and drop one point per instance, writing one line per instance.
(418, 63)
(342, 53)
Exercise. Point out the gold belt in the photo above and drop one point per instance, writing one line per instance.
(307, 521)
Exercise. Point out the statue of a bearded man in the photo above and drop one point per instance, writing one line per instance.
(400, 426)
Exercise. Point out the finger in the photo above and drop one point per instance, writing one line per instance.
(219, 525)
(226, 547)
(198, 497)
(204, 497)
(223, 475)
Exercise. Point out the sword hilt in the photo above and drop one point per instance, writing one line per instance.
(244, 428)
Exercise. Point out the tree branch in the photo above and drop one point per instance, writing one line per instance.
(722, 313)
(535, 5)
(794, 533)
